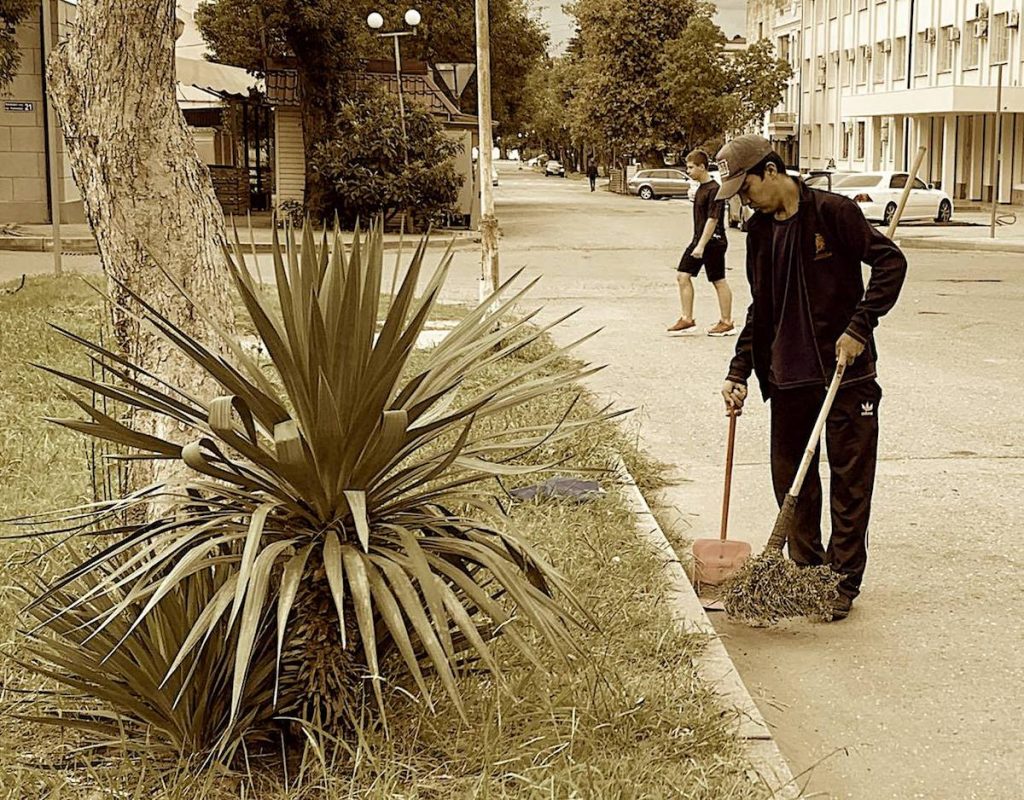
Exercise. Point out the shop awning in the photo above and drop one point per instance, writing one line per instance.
(217, 79)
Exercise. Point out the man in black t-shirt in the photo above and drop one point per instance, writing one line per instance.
(707, 249)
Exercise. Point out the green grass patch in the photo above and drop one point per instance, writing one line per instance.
(626, 718)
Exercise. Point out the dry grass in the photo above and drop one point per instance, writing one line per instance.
(627, 718)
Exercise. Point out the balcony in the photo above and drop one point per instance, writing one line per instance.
(781, 124)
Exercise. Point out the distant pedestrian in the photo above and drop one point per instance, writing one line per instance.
(811, 311)
(592, 174)
(707, 249)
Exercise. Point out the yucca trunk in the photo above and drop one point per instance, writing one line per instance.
(321, 680)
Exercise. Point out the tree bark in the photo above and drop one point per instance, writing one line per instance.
(317, 107)
(147, 196)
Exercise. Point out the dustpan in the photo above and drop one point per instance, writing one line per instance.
(716, 560)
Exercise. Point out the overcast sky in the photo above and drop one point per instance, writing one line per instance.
(731, 16)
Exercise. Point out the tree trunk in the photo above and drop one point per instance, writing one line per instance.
(147, 195)
(316, 111)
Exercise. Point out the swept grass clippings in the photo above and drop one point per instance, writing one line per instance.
(626, 717)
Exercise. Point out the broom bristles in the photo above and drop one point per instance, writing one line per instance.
(770, 587)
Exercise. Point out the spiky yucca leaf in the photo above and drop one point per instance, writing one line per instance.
(331, 478)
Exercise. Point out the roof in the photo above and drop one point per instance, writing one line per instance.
(418, 86)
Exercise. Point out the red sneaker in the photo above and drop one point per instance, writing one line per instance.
(722, 329)
(682, 324)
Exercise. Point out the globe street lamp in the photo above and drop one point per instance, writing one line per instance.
(412, 19)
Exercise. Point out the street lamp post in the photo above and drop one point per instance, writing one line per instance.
(489, 277)
(412, 19)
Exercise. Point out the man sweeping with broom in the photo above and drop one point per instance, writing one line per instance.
(811, 320)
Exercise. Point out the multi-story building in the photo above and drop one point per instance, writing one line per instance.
(878, 78)
(779, 22)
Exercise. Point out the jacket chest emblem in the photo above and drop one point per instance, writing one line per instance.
(821, 247)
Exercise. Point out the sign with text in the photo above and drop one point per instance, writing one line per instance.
(18, 105)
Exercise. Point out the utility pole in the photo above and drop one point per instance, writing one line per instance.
(489, 276)
(52, 126)
(997, 143)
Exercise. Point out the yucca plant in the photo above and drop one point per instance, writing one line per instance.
(334, 529)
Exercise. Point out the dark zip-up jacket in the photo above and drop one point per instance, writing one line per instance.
(835, 240)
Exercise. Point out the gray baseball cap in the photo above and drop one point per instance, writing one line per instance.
(735, 158)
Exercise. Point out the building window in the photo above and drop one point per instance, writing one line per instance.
(863, 61)
(899, 58)
(833, 8)
(862, 5)
(847, 6)
(946, 49)
(845, 68)
(923, 54)
(1000, 41)
(970, 46)
(816, 141)
(844, 144)
(784, 48)
(859, 152)
(879, 63)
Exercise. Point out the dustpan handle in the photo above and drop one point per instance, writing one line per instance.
(819, 424)
(728, 472)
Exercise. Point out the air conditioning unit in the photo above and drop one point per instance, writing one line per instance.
(1012, 19)
(954, 34)
(821, 63)
(851, 53)
(981, 10)
(981, 28)
(866, 51)
(835, 56)
(885, 45)
(929, 35)
(821, 79)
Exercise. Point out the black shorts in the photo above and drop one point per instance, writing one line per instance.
(713, 261)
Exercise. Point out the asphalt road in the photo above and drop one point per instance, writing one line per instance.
(920, 692)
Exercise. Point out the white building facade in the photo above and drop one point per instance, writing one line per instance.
(878, 78)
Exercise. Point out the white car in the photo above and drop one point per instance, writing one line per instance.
(553, 167)
(878, 194)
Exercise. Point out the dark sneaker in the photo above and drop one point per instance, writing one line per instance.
(722, 329)
(841, 607)
(682, 324)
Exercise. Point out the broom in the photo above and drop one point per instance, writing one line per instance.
(770, 587)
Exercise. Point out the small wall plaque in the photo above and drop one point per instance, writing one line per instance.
(17, 105)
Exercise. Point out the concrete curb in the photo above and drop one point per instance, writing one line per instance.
(961, 244)
(714, 666)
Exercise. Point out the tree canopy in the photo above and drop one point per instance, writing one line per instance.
(653, 76)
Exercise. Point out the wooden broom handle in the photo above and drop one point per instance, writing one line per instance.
(819, 424)
(728, 472)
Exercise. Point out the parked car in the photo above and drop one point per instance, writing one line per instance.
(649, 184)
(553, 167)
(878, 193)
(824, 178)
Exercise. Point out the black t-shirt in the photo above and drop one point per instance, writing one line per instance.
(705, 207)
(795, 360)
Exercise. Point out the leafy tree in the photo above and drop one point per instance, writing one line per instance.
(620, 97)
(11, 13)
(549, 90)
(364, 161)
(712, 92)
(328, 37)
(320, 35)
